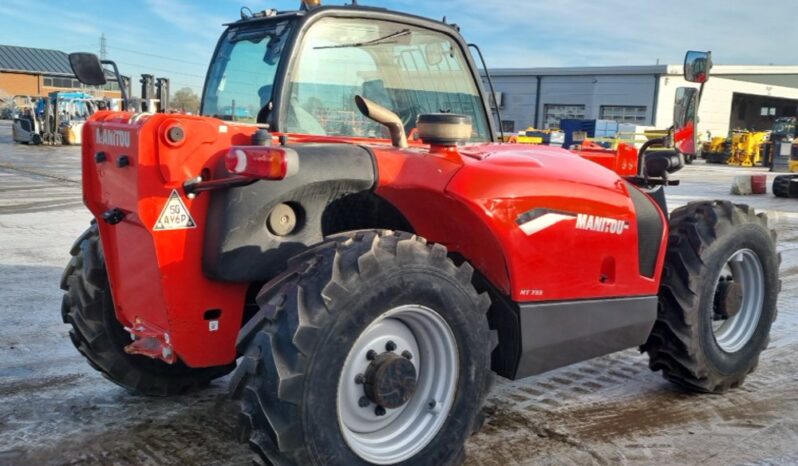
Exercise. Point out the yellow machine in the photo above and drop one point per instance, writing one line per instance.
(746, 148)
(538, 136)
(716, 150)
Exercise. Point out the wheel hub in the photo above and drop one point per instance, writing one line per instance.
(729, 300)
(739, 298)
(390, 380)
(398, 384)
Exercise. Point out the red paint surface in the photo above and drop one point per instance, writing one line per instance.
(468, 200)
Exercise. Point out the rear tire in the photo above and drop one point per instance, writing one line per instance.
(88, 307)
(315, 325)
(718, 297)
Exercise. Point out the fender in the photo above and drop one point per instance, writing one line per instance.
(334, 181)
(572, 273)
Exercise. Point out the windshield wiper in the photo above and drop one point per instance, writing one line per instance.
(379, 40)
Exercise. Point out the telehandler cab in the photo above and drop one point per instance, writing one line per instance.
(342, 222)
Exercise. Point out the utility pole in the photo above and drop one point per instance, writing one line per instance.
(103, 47)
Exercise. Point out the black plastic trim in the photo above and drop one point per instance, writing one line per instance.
(444, 118)
(538, 337)
(331, 193)
(649, 230)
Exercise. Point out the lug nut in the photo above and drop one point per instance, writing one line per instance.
(360, 379)
(363, 402)
(390, 346)
(371, 355)
(407, 355)
(432, 404)
(379, 411)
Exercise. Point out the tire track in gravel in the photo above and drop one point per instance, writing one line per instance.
(640, 426)
(28, 171)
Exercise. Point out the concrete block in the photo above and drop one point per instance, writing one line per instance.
(741, 186)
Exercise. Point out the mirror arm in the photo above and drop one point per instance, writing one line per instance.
(120, 81)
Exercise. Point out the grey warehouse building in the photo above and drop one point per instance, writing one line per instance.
(737, 97)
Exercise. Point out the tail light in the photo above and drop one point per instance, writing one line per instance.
(268, 163)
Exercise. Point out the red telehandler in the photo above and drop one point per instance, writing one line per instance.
(368, 284)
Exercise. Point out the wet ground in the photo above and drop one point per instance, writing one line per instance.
(55, 409)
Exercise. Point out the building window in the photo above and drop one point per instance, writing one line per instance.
(768, 111)
(552, 114)
(64, 83)
(508, 126)
(624, 114)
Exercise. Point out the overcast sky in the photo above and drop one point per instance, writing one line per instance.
(175, 38)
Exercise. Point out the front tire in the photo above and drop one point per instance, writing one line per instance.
(358, 306)
(88, 307)
(717, 298)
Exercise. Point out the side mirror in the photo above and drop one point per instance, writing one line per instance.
(697, 66)
(87, 68)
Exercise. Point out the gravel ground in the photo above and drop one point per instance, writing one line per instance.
(55, 409)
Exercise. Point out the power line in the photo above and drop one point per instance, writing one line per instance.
(154, 55)
(165, 70)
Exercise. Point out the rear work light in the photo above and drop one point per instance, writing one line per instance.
(268, 163)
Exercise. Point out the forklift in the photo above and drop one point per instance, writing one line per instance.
(26, 126)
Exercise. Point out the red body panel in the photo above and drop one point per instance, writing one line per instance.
(472, 202)
(476, 214)
(157, 275)
(622, 161)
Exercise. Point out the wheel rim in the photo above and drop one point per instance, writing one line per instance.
(399, 433)
(737, 312)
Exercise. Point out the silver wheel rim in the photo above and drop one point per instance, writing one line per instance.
(400, 433)
(745, 270)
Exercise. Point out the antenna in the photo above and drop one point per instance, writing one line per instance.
(103, 47)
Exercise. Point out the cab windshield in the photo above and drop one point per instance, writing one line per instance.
(241, 78)
(406, 69)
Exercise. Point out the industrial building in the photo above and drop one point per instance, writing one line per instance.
(737, 97)
(37, 72)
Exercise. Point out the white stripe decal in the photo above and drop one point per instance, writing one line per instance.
(545, 221)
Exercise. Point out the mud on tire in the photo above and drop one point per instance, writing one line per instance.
(88, 307)
(313, 315)
(684, 345)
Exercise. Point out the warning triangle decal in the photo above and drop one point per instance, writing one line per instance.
(175, 215)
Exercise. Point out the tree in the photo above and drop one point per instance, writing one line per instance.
(186, 100)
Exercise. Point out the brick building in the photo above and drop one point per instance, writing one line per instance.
(37, 72)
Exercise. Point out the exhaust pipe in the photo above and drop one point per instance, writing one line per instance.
(384, 117)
